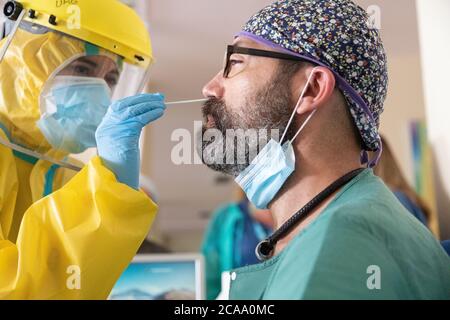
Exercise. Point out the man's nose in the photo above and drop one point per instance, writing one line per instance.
(214, 88)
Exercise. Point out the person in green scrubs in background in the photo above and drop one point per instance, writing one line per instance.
(235, 229)
(319, 68)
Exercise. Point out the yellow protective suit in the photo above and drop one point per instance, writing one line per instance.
(75, 242)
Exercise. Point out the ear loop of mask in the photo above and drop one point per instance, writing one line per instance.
(299, 103)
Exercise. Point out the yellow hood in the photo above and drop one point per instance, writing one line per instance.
(30, 61)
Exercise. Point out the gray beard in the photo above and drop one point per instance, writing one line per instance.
(268, 115)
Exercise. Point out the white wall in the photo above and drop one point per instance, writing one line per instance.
(434, 30)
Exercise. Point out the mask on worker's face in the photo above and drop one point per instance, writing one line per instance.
(72, 109)
(268, 172)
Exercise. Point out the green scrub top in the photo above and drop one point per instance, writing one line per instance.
(364, 245)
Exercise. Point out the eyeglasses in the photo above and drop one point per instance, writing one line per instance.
(228, 65)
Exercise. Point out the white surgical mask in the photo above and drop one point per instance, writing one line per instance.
(268, 172)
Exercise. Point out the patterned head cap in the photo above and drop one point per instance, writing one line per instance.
(335, 34)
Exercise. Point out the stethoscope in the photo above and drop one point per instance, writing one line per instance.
(265, 249)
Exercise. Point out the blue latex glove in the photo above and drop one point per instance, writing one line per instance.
(118, 135)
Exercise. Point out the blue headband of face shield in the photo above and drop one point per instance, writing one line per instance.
(268, 172)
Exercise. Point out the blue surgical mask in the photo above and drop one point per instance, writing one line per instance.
(268, 172)
(72, 108)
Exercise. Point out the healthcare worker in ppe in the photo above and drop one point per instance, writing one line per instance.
(68, 231)
(316, 71)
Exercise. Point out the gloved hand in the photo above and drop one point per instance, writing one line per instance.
(118, 135)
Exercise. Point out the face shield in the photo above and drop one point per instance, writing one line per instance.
(75, 99)
(57, 88)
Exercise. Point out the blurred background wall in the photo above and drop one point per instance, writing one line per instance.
(434, 26)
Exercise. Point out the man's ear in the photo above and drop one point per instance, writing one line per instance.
(319, 91)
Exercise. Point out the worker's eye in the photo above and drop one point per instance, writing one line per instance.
(82, 70)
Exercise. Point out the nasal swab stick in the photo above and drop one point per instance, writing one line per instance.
(185, 102)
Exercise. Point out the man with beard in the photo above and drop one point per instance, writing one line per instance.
(317, 72)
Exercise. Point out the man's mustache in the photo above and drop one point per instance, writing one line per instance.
(214, 108)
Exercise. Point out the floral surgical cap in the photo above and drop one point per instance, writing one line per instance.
(335, 34)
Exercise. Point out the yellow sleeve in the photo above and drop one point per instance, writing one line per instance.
(75, 243)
